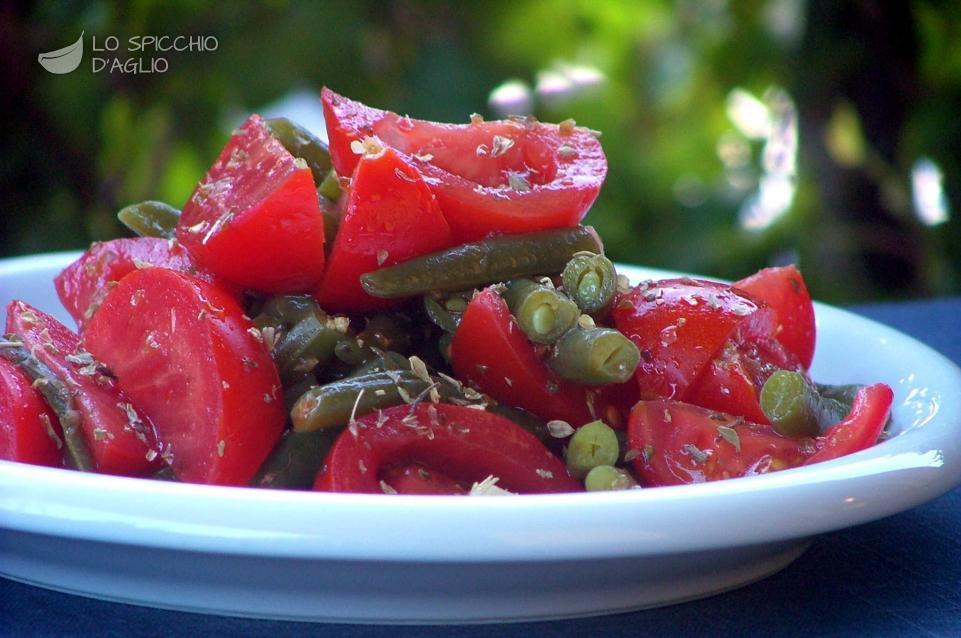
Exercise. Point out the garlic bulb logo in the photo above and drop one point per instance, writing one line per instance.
(63, 60)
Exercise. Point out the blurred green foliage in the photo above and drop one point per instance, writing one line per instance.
(875, 89)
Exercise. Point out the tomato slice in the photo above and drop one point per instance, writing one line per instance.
(390, 216)
(680, 325)
(860, 429)
(83, 285)
(185, 354)
(465, 445)
(678, 443)
(510, 176)
(490, 352)
(783, 289)
(120, 437)
(417, 478)
(255, 218)
(28, 428)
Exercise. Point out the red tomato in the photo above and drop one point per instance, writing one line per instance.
(255, 218)
(860, 429)
(490, 352)
(83, 285)
(464, 444)
(680, 325)
(510, 176)
(390, 216)
(679, 443)
(185, 354)
(28, 428)
(119, 437)
(416, 478)
(783, 290)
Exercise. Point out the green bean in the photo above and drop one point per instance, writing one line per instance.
(522, 418)
(329, 187)
(289, 309)
(842, 393)
(591, 445)
(58, 396)
(150, 219)
(482, 262)
(332, 405)
(295, 460)
(351, 352)
(595, 356)
(604, 478)
(296, 388)
(301, 143)
(331, 216)
(306, 344)
(543, 313)
(591, 281)
(794, 407)
(439, 315)
(381, 361)
(387, 332)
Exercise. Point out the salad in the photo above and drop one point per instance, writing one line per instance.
(414, 308)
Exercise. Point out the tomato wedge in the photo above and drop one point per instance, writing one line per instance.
(120, 437)
(490, 352)
(28, 428)
(860, 429)
(83, 285)
(463, 444)
(678, 443)
(255, 218)
(510, 176)
(391, 216)
(783, 289)
(185, 354)
(680, 325)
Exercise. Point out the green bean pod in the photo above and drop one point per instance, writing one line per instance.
(591, 281)
(794, 407)
(523, 418)
(331, 215)
(594, 356)
(606, 478)
(381, 361)
(329, 186)
(301, 143)
(150, 219)
(844, 394)
(295, 460)
(482, 262)
(331, 405)
(439, 315)
(543, 313)
(592, 444)
(306, 344)
(289, 309)
(58, 397)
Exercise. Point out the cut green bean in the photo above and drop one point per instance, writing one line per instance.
(543, 313)
(842, 393)
(351, 352)
(301, 143)
(592, 444)
(328, 210)
(58, 397)
(289, 309)
(305, 345)
(439, 315)
(522, 418)
(150, 219)
(295, 460)
(591, 281)
(483, 262)
(329, 187)
(794, 407)
(606, 478)
(595, 356)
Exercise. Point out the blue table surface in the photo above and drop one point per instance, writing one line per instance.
(900, 576)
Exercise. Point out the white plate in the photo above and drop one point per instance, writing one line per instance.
(374, 558)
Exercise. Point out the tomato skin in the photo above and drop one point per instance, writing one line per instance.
(256, 203)
(469, 171)
(860, 429)
(83, 285)
(670, 435)
(680, 325)
(390, 217)
(490, 352)
(105, 424)
(186, 356)
(416, 478)
(464, 444)
(25, 420)
(784, 290)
